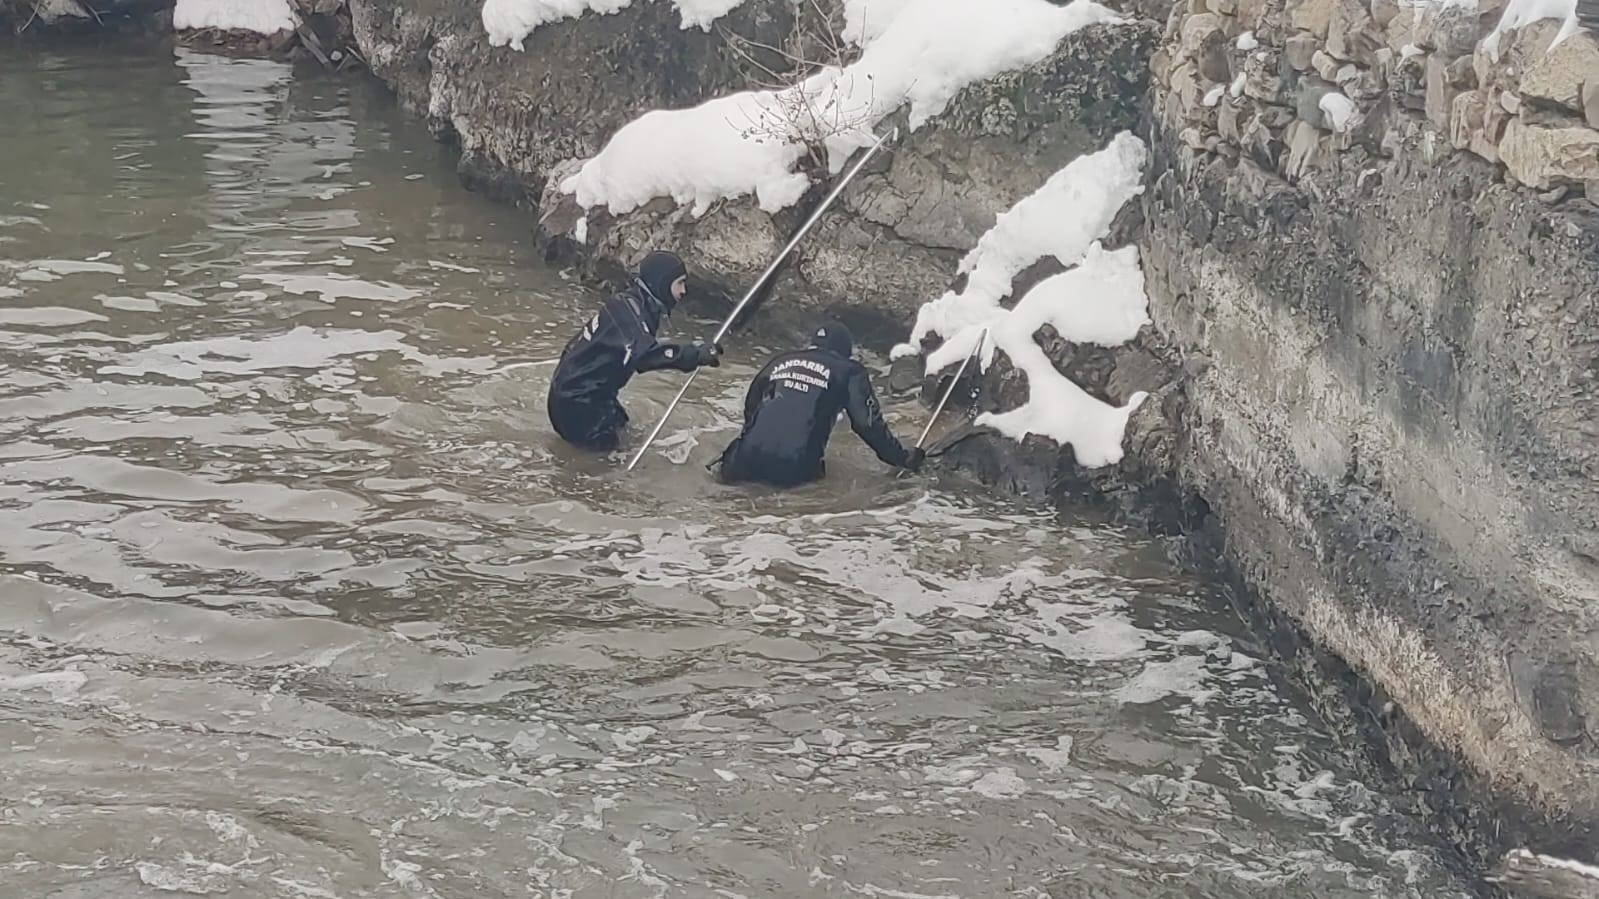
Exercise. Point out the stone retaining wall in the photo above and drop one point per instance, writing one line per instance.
(1288, 84)
(1379, 237)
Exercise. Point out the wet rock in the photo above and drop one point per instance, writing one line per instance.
(1539, 156)
(1559, 75)
(1590, 102)
(1300, 50)
(1509, 102)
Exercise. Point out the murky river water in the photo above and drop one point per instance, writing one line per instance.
(302, 598)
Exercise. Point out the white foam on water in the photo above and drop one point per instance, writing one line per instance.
(1197, 639)
(61, 685)
(1085, 634)
(404, 874)
(1181, 676)
(301, 890)
(1055, 759)
(228, 829)
(194, 878)
(48, 316)
(301, 348)
(955, 773)
(1002, 783)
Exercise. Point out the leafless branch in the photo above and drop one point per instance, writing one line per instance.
(800, 111)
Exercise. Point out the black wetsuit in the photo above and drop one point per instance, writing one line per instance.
(789, 414)
(617, 343)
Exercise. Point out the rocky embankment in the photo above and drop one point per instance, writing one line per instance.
(1374, 224)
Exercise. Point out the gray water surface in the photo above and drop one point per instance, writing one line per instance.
(302, 597)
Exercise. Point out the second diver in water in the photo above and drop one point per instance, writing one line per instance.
(790, 410)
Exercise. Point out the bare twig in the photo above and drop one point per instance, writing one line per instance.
(737, 42)
(35, 15)
(798, 110)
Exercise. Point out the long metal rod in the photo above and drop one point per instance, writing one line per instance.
(761, 281)
(981, 338)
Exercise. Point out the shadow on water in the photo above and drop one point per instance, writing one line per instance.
(303, 598)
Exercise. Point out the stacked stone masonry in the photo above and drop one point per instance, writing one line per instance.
(1286, 83)
(1372, 237)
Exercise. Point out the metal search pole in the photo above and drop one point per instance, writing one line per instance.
(981, 338)
(761, 281)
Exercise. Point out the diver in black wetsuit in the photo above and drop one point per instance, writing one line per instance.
(790, 410)
(618, 342)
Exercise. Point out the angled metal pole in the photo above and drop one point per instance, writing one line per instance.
(761, 281)
(950, 391)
